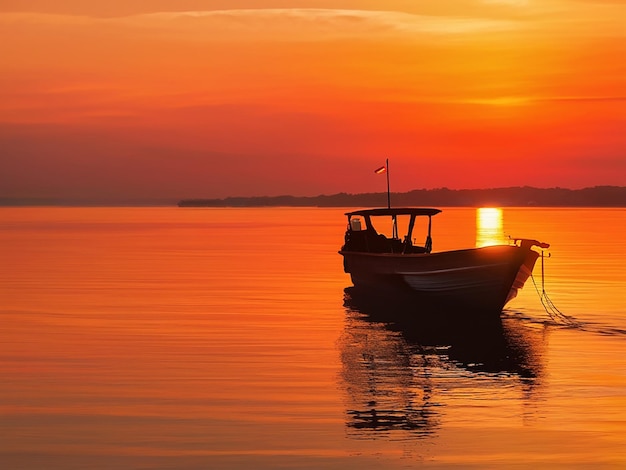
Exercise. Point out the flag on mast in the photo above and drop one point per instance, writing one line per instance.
(385, 169)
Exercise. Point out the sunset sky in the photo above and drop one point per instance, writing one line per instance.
(200, 98)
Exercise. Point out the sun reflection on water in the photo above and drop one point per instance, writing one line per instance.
(489, 226)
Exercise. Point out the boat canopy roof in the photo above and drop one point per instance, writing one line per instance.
(415, 211)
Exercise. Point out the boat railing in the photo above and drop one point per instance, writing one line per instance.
(369, 241)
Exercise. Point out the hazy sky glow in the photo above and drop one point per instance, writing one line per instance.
(220, 98)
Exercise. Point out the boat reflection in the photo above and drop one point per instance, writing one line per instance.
(397, 371)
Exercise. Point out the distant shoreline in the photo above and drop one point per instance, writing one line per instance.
(598, 196)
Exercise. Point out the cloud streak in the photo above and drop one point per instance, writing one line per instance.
(345, 20)
(278, 22)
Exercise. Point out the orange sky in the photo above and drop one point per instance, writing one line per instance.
(193, 98)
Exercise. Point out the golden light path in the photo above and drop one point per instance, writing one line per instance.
(489, 226)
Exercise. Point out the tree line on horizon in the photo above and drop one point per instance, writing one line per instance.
(598, 196)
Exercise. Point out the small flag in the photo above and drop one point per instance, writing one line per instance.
(380, 170)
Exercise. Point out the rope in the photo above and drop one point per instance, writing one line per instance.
(560, 318)
(553, 312)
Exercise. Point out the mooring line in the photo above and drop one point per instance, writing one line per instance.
(553, 312)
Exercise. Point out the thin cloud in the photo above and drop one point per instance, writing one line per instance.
(342, 20)
(515, 3)
(584, 98)
(274, 22)
(529, 100)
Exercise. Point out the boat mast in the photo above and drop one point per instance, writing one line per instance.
(394, 229)
(385, 169)
(388, 194)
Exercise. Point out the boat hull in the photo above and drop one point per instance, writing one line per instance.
(479, 280)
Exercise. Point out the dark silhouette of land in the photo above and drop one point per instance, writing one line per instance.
(598, 196)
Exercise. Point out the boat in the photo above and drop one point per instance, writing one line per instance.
(478, 280)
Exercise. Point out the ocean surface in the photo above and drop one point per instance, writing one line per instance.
(214, 338)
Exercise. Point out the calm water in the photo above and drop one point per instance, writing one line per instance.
(223, 339)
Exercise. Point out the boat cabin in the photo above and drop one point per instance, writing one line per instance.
(362, 233)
